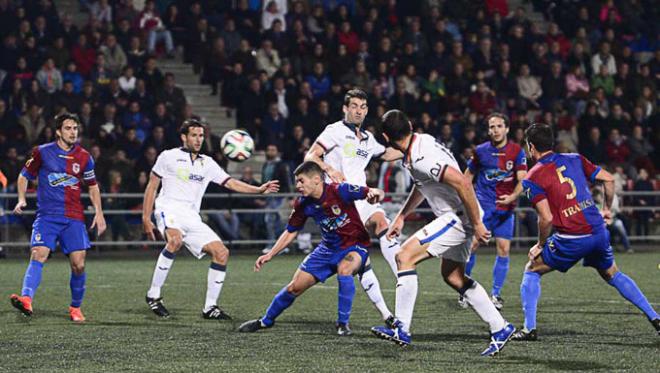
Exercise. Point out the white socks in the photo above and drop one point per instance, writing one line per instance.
(406, 294)
(371, 286)
(163, 265)
(389, 248)
(214, 281)
(477, 297)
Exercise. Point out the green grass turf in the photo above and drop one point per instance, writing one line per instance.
(583, 323)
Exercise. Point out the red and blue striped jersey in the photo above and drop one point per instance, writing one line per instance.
(59, 175)
(336, 215)
(563, 179)
(496, 172)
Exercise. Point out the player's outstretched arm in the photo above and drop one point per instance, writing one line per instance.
(238, 186)
(21, 186)
(465, 190)
(391, 154)
(375, 195)
(315, 154)
(99, 219)
(282, 242)
(414, 199)
(148, 205)
(608, 183)
(507, 199)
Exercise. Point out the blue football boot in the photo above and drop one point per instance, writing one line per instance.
(395, 334)
(498, 340)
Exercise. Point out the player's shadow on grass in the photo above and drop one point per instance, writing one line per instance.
(604, 312)
(555, 364)
(444, 337)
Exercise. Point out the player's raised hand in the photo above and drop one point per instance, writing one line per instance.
(148, 228)
(375, 195)
(481, 233)
(18, 209)
(395, 228)
(336, 176)
(261, 261)
(505, 199)
(270, 187)
(99, 224)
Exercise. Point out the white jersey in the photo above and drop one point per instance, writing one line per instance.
(347, 153)
(427, 161)
(184, 180)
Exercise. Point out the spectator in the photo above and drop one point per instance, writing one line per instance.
(151, 24)
(83, 55)
(604, 57)
(274, 169)
(319, 81)
(273, 10)
(268, 58)
(33, 123)
(127, 80)
(49, 77)
(171, 95)
(528, 87)
(644, 218)
(72, 75)
(115, 58)
(594, 147)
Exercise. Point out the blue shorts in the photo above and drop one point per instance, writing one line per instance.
(71, 234)
(500, 223)
(322, 262)
(562, 252)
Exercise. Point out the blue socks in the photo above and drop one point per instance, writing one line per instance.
(345, 298)
(470, 264)
(282, 301)
(32, 278)
(500, 269)
(77, 284)
(629, 290)
(530, 291)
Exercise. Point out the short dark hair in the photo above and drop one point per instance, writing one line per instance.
(396, 125)
(60, 118)
(308, 168)
(540, 135)
(354, 93)
(190, 123)
(498, 115)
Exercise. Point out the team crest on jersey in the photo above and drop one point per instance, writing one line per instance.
(76, 168)
(509, 165)
(37, 237)
(336, 210)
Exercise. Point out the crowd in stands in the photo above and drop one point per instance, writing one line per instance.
(283, 66)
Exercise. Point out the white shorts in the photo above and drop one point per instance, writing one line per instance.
(366, 209)
(447, 238)
(195, 233)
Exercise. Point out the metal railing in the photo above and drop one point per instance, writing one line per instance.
(9, 199)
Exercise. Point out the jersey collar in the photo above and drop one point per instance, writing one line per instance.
(547, 158)
(199, 155)
(354, 128)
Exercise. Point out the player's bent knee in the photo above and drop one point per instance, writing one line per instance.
(40, 254)
(78, 268)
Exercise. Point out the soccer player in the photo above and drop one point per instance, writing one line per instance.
(343, 151)
(500, 166)
(451, 196)
(558, 187)
(60, 169)
(185, 174)
(343, 248)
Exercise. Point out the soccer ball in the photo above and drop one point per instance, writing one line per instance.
(237, 145)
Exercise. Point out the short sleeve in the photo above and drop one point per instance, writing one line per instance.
(297, 218)
(88, 173)
(218, 175)
(534, 193)
(160, 168)
(351, 192)
(32, 165)
(521, 161)
(327, 139)
(590, 169)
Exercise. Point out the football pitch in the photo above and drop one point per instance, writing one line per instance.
(584, 325)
